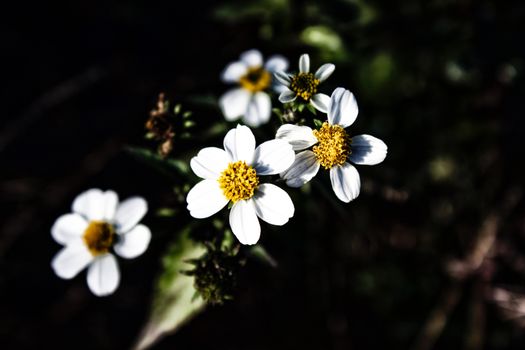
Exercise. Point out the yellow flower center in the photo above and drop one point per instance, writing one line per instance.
(333, 147)
(99, 237)
(304, 85)
(256, 79)
(238, 181)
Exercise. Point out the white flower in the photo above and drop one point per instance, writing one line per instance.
(304, 84)
(249, 100)
(97, 224)
(332, 148)
(233, 174)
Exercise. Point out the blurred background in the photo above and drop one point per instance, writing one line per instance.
(430, 256)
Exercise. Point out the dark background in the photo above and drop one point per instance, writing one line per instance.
(440, 81)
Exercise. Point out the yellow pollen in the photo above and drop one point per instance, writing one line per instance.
(304, 85)
(333, 147)
(99, 237)
(256, 79)
(238, 181)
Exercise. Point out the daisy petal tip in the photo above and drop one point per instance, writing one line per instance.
(304, 63)
(133, 243)
(252, 58)
(103, 275)
(346, 182)
(325, 71)
(244, 222)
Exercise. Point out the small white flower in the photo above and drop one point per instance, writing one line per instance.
(250, 100)
(97, 224)
(333, 148)
(233, 174)
(304, 84)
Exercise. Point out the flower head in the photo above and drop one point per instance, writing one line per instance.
(234, 174)
(303, 85)
(332, 149)
(97, 226)
(250, 100)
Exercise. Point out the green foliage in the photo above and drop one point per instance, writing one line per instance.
(216, 273)
(326, 40)
(168, 166)
(175, 300)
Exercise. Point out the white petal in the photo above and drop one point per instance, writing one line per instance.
(273, 157)
(209, 163)
(278, 88)
(282, 77)
(244, 223)
(68, 228)
(342, 109)
(276, 63)
(233, 72)
(345, 182)
(333, 106)
(239, 144)
(303, 169)
(91, 204)
(129, 213)
(287, 96)
(252, 58)
(103, 275)
(133, 243)
(324, 71)
(367, 150)
(72, 259)
(300, 137)
(205, 199)
(273, 204)
(320, 102)
(304, 63)
(234, 103)
(259, 110)
(111, 203)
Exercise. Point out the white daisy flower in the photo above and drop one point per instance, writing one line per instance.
(332, 148)
(304, 84)
(97, 224)
(250, 100)
(233, 174)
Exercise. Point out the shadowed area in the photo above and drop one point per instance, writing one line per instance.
(431, 255)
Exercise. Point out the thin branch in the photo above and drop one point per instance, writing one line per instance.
(462, 269)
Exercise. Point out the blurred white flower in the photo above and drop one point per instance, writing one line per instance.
(97, 224)
(250, 100)
(304, 84)
(233, 174)
(332, 148)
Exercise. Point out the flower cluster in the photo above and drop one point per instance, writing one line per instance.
(240, 175)
(232, 174)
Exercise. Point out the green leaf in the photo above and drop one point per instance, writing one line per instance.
(278, 112)
(300, 107)
(175, 301)
(261, 254)
(311, 109)
(318, 124)
(328, 41)
(166, 212)
(168, 166)
(209, 101)
(189, 123)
